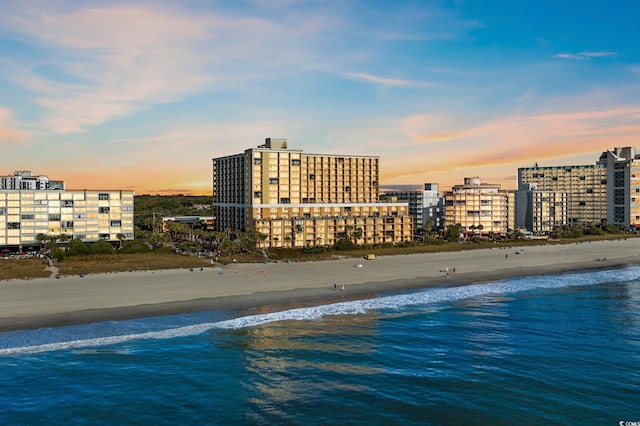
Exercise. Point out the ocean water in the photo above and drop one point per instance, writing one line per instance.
(561, 349)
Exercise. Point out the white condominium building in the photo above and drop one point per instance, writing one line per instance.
(296, 199)
(86, 215)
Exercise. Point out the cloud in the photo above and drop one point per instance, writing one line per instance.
(386, 81)
(430, 148)
(9, 135)
(586, 55)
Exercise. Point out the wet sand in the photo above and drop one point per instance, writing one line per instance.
(70, 300)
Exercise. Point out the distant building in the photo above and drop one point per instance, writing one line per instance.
(585, 186)
(539, 212)
(480, 208)
(25, 180)
(296, 199)
(426, 205)
(606, 191)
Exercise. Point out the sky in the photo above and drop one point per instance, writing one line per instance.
(141, 95)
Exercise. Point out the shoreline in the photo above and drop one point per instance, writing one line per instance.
(50, 302)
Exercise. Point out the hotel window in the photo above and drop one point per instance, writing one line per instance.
(116, 223)
(67, 224)
(257, 161)
(103, 210)
(3, 210)
(103, 196)
(295, 161)
(66, 203)
(127, 208)
(54, 218)
(27, 217)
(273, 181)
(13, 225)
(103, 236)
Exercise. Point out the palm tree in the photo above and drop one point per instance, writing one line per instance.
(42, 239)
(120, 237)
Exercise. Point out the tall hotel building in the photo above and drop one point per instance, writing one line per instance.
(606, 191)
(296, 199)
(32, 206)
(585, 186)
(480, 208)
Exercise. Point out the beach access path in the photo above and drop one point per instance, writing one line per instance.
(28, 304)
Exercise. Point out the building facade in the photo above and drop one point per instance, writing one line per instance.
(480, 208)
(86, 215)
(296, 199)
(585, 186)
(539, 212)
(426, 206)
(623, 186)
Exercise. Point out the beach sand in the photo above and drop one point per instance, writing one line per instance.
(48, 302)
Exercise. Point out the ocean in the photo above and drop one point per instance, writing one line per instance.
(558, 349)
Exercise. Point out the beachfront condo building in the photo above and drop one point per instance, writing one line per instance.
(608, 191)
(87, 215)
(426, 206)
(623, 186)
(295, 199)
(538, 212)
(585, 186)
(480, 208)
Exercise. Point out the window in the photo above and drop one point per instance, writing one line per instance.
(312, 177)
(103, 196)
(285, 201)
(13, 225)
(27, 217)
(80, 216)
(103, 236)
(273, 181)
(103, 210)
(257, 161)
(67, 224)
(127, 208)
(257, 194)
(295, 161)
(54, 218)
(66, 203)
(3, 210)
(116, 223)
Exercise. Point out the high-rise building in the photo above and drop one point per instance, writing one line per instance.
(585, 186)
(86, 215)
(539, 212)
(608, 191)
(296, 199)
(623, 186)
(480, 208)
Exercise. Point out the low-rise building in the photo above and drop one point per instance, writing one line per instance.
(87, 215)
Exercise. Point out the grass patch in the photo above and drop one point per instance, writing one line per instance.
(22, 269)
(104, 263)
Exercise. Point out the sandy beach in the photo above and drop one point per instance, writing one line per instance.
(70, 300)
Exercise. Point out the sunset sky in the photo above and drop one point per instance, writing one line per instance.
(142, 95)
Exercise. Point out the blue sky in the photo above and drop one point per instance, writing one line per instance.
(141, 95)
